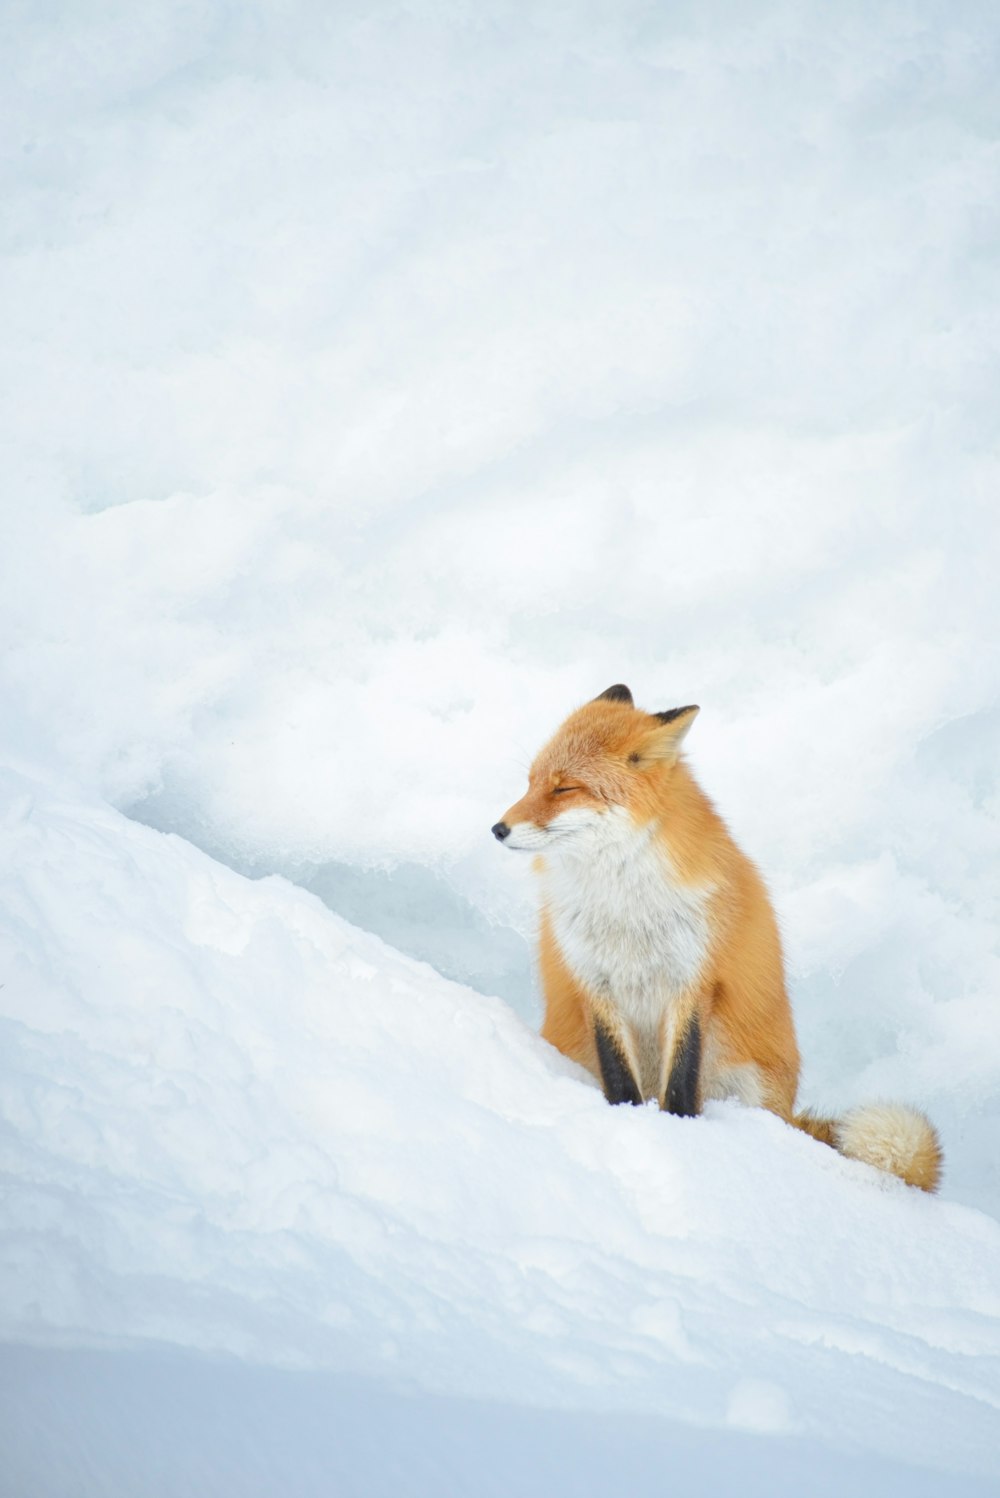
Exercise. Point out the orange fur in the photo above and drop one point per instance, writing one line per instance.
(567, 1023)
(613, 774)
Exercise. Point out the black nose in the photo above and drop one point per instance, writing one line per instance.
(500, 830)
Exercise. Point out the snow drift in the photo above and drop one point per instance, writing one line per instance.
(234, 1123)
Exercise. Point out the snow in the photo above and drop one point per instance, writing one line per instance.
(163, 1423)
(380, 383)
(235, 1124)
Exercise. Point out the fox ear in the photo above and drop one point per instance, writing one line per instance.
(664, 743)
(618, 693)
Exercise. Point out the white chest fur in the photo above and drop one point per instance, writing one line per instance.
(627, 929)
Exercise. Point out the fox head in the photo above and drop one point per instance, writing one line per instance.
(604, 770)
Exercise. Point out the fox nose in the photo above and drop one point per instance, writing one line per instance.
(500, 830)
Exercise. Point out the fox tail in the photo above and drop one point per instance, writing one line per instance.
(889, 1136)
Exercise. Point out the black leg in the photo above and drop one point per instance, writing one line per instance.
(619, 1083)
(682, 1084)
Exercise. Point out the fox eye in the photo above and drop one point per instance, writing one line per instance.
(562, 790)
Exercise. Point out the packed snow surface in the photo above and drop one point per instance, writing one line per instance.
(233, 1122)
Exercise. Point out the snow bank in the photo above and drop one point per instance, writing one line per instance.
(234, 1123)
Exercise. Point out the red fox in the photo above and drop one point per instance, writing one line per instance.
(659, 952)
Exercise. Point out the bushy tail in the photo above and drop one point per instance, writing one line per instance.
(887, 1135)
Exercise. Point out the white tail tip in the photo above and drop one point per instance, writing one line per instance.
(894, 1138)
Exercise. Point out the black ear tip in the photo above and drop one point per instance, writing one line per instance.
(673, 713)
(618, 693)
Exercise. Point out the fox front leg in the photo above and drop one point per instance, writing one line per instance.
(682, 1092)
(619, 1084)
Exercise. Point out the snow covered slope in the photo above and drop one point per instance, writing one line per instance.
(233, 1123)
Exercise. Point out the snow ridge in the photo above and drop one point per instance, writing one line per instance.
(233, 1122)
